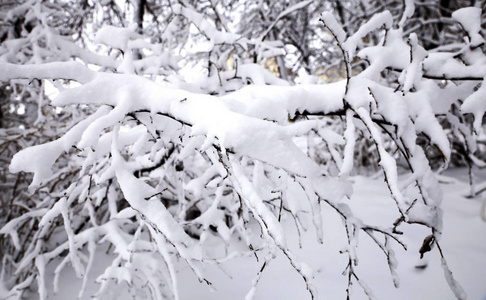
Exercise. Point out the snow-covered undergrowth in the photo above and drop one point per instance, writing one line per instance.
(164, 174)
(464, 240)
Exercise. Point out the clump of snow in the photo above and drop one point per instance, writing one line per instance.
(383, 19)
(470, 20)
(332, 24)
(39, 159)
(476, 105)
(115, 37)
(408, 12)
(412, 75)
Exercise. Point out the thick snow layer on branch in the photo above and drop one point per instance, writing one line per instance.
(12, 226)
(115, 37)
(387, 162)
(278, 103)
(455, 286)
(349, 135)
(234, 128)
(412, 75)
(446, 65)
(332, 24)
(425, 121)
(408, 11)
(40, 158)
(476, 105)
(263, 214)
(470, 19)
(139, 195)
(207, 28)
(395, 54)
(383, 19)
(55, 70)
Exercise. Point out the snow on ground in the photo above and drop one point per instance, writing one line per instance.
(463, 243)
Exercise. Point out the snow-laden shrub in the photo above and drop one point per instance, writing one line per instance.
(159, 170)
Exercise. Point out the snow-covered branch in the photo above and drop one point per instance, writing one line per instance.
(158, 167)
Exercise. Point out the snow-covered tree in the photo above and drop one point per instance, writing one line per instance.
(134, 155)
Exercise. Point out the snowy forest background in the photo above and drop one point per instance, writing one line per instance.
(179, 134)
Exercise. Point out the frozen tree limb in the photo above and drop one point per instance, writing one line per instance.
(153, 168)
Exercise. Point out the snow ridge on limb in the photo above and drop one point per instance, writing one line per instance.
(381, 20)
(470, 20)
(28, 161)
(408, 10)
(475, 105)
(330, 22)
(54, 70)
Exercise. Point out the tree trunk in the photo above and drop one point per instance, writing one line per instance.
(139, 12)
